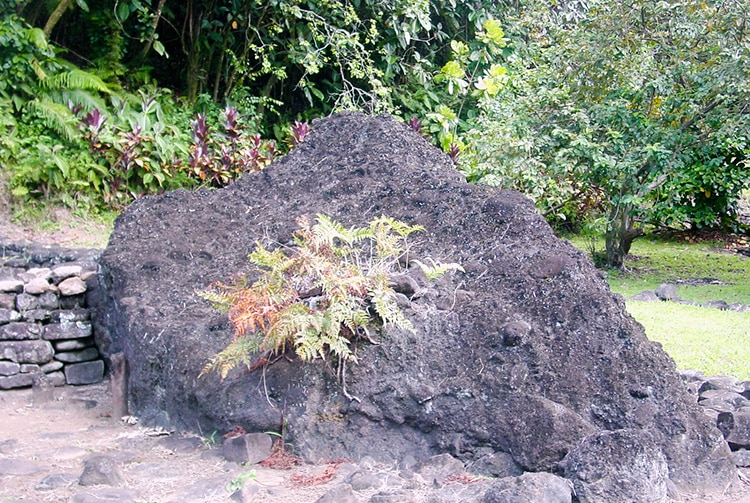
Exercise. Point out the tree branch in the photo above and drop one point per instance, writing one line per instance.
(56, 15)
(150, 42)
(700, 115)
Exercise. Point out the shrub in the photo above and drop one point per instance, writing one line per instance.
(318, 296)
(218, 159)
(144, 151)
(139, 145)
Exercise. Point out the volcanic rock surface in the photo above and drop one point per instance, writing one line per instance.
(523, 358)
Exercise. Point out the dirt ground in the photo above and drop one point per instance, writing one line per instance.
(53, 438)
(63, 228)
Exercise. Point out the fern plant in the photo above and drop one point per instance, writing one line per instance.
(316, 297)
(38, 82)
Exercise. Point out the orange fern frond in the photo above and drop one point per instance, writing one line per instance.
(317, 296)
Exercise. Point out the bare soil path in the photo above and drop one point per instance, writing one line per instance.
(44, 445)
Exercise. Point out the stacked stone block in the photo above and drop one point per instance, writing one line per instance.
(45, 327)
(726, 400)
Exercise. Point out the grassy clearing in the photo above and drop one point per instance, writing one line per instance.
(653, 261)
(712, 341)
(709, 340)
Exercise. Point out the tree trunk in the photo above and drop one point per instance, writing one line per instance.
(190, 39)
(218, 74)
(195, 75)
(56, 15)
(621, 232)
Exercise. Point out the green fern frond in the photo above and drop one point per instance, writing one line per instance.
(55, 116)
(353, 316)
(401, 228)
(82, 97)
(240, 351)
(345, 284)
(309, 342)
(275, 260)
(437, 268)
(6, 117)
(388, 245)
(311, 262)
(37, 37)
(219, 300)
(390, 236)
(383, 299)
(38, 70)
(291, 324)
(76, 79)
(328, 230)
(342, 311)
(329, 338)
(362, 233)
(336, 345)
(386, 307)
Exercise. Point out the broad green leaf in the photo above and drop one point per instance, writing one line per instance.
(453, 69)
(460, 49)
(494, 33)
(19, 191)
(160, 50)
(37, 37)
(122, 11)
(498, 70)
(489, 85)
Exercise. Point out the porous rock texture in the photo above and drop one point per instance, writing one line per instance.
(526, 353)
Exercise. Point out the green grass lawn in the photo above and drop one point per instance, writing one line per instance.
(653, 262)
(712, 341)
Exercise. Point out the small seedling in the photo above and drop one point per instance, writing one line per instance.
(210, 441)
(237, 483)
(436, 268)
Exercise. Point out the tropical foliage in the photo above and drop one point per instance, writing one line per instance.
(36, 82)
(632, 111)
(288, 58)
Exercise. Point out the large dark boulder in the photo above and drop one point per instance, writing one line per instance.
(527, 353)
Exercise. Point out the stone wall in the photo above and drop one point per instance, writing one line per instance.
(46, 332)
(667, 292)
(726, 401)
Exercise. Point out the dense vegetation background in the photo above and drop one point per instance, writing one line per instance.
(616, 117)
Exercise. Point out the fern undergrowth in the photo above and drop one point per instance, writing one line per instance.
(318, 296)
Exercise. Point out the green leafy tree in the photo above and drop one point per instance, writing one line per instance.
(137, 150)
(636, 110)
(472, 74)
(292, 60)
(38, 91)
